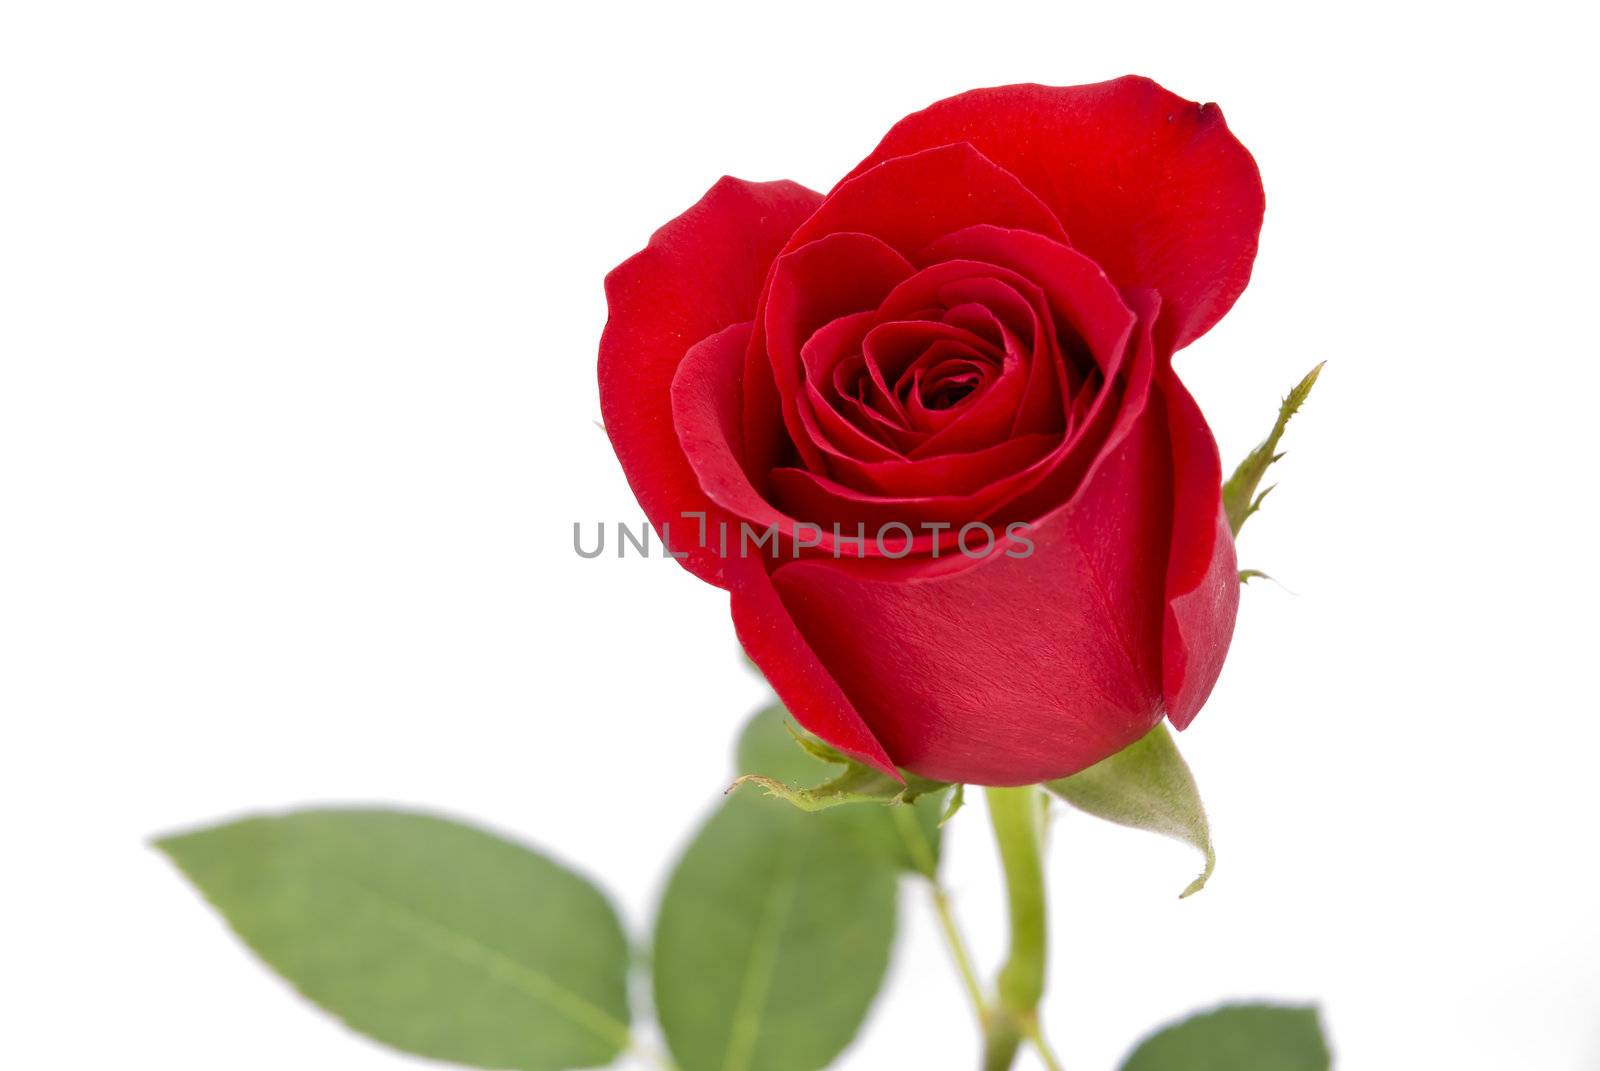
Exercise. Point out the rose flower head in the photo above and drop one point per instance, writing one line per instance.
(926, 431)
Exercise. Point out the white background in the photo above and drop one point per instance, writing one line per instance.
(298, 311)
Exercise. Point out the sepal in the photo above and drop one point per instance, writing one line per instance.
(854, 782)
(1239, 496)
(1146, 785)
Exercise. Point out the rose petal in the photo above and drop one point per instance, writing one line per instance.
(812, 285)
(835, 420)
(1203, 574)
(705, 408)
(1052, 375)
(1078, 289)
(895, 345)
(776, 646)
(700, 273)
(944, 487)
(911, 199)
(1153, 187)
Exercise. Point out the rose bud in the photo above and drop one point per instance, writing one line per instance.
(830, 400)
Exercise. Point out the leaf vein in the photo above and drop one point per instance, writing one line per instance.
(473, 952)
(756, 984)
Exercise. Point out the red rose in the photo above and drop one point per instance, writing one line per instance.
(974, 328)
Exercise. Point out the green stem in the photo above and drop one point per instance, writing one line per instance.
(1000, 1044)
(1017, 817)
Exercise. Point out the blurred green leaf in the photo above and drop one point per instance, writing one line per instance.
(425, 934)
(1147, 786)
(774, 932)
(1239, 1037)
(1239, 496)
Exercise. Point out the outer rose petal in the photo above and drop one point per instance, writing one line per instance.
(1202, 573)
(700, 273)
(775, 644)
(705, 404)
(1150, 185)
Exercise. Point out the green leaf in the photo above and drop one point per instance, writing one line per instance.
(1239, 1037)
(806, 773)
(773, 936)
(427, 935)
(1239, 497)
(1146, 785)
(1247, 575)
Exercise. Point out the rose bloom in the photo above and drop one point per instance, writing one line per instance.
(974, 327)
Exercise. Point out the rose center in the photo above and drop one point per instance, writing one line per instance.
(950, 392)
